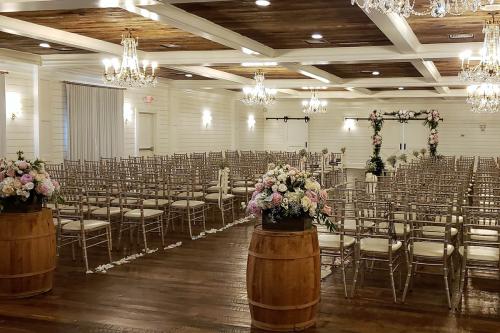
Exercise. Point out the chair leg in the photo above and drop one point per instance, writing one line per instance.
(84, 252)
(356, 270)
(342, 263)
(408, 280)
(222, 215)
(144, 238)
(463, 276)
(162, 232)
(446, 286)
(391, 275)
(110, 243)
(189, 223)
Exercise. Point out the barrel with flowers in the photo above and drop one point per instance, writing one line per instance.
(27, 233)
(283, 268)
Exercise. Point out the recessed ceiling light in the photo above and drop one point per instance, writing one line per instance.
(189, 75)
(262, 3)
(317, 36)
(401, 88)
(461, 36)
(45, 45)
(375, 73)
(170, 46)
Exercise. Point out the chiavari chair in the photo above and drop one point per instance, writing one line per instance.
(431, 243)
(222, 200)
(335, 243)
(74, 228)
(375, 242)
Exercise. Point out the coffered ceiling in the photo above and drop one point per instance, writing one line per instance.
(202, 44)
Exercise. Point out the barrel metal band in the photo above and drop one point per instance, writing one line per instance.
(27, 274)
(262, 256)
(284, 307)
(284, 327)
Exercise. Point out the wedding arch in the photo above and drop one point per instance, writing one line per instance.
(431, 120)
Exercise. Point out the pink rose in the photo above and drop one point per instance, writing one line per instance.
(313, 196)
(268, 182)
(259, 187)
(327, 210)
(323, 195)
(56, 184)
(276, 198)
(26, 179)
(11, 172)
(23, 165)
(252, 208)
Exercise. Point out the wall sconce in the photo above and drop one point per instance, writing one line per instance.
(251, 121)
(349, 124)
(207, 118)
(128, 113)
(14, 105)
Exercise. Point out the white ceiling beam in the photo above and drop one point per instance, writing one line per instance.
(314, 73)
(443, 90)
(181, 19)
(427, 69)
(213, 74)
(454, 93)
(36, 31)
(396, 29)
(317, 56)
(38, 5)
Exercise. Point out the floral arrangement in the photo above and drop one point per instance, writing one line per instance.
(286, 192)
(342, 150)
(392, 160)
(403, 158)
(415, 153)
(23, 183)
(303, 153)
(423, 151)
(375, 164)
(403, 115)
(324, 151)
(432, 121)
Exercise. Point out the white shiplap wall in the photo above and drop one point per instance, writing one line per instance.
(20, 134)
(249, 138)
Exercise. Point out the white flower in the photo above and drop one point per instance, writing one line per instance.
(29, 186)
(282, 188)
(274, 188)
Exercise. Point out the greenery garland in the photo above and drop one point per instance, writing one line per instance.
(432, 121)
(375, 164)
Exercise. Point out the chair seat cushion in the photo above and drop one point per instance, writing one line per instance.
(437, 231)
(214, 197)
(350, 225)
(486, 235)
(190, 195)
(481, 253)
(184, 204)
(398, 226)
(63, 221)
(378, 245)
(213, 189)
(104, 211)
(125, 201)
(148, 213)
(94, 200)
(152, 203)
(243, 183)
(333, 241)
(242, 190)
(88, 225)
(431, 249)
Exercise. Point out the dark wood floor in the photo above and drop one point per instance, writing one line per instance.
(200, 287)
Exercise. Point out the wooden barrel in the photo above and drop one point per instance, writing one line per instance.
(27, 253)
(283, 279)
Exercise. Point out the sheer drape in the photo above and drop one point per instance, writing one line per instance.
(94, 118)
(3, 117)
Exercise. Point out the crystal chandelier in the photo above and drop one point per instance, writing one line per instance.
(259, 95)
(129, 74)
(488, 69)
(484, 98)
(436, 8)
(314, 105)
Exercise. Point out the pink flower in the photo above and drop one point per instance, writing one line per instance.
(11, 172)
(259, 187)
(268, 182)
(253, 208)
(311, 195)
(327, 210)
(23, 165)
(276, 198)
(2, 176)
(323, 195)
(56, 184)
(26, 179)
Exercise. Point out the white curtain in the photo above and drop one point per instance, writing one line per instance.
(94, 118)
(3, 117)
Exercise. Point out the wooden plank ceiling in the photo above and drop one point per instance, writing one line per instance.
(288, 24)
(25, 44)
(351, 71)
(173, 74)
(108, 24)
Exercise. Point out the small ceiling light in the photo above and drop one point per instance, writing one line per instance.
(317, 36)
(262, 3)
(375, 73)
(45, 45)
(189, 75)
(401, 88)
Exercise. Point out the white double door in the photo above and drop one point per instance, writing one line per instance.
(401, 138)
(297, 135)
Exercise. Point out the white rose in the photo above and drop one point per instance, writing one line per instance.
(282, 188)
(274, 188)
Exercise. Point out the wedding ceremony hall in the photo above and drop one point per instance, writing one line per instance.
(234, 166)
